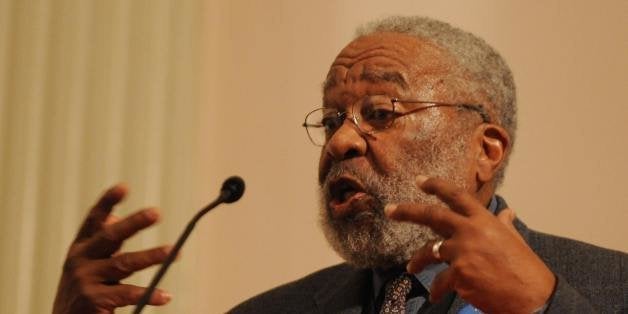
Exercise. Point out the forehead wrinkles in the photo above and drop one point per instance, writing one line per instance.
(377, 78)
(416, 61)
(352, 55)
(373, 66)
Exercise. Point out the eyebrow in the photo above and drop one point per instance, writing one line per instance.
(384, 77)
(371, 77)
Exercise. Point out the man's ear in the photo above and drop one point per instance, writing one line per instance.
(494, 147)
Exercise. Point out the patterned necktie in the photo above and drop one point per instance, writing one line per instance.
(397, 291)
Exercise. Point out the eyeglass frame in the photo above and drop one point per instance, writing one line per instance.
(426, 104)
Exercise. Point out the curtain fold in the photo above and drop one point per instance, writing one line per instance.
(92, 93)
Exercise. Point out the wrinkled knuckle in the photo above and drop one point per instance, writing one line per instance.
(457, 194)
(431, 213)
(81, 274)
(86, 292)
(428, 213)
(122, 264)
(136, 294)
(110, 302)
(132, 296)
(108, 235)
(115, 300)
(84, 286)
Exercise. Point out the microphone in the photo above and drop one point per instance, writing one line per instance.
(231, 191)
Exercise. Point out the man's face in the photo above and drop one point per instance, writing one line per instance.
(359, 174)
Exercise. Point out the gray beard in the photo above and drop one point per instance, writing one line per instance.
(369, 239)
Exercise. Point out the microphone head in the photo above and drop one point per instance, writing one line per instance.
(232, 189)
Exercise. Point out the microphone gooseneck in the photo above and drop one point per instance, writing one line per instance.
(231, 191)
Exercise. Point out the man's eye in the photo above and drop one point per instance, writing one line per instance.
(331, 123)
(378, 115)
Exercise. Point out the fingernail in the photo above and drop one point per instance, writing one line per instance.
(390, 208)
(166, 250)
(165, 296)
(420, 179)
(151, 214)
(118, 188)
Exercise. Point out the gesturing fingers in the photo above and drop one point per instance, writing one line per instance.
(101, 210)
(441, 220)
(123, 265)
(110, 237)
(458, 200)
(111, 297)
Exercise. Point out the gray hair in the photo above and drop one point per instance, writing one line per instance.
(490, 74)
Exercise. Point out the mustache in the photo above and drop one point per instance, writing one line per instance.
(368, 181)
(346, 168)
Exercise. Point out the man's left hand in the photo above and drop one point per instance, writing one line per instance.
(490, 265)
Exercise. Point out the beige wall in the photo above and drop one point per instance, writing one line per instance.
(173, 96)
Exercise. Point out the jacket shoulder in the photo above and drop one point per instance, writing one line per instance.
(578, 260)
(597, 274)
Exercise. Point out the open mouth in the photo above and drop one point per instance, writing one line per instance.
(347, 195)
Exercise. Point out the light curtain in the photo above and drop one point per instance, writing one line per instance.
(170, 97)
(92, 93)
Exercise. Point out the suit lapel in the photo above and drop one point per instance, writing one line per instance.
(457, 305)
(346, 295)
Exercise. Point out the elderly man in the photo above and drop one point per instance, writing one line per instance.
(417, 124)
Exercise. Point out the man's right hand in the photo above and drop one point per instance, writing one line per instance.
(93, 266)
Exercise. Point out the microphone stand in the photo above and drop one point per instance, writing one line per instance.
(232, 190)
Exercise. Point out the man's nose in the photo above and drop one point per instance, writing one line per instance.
(347, 142)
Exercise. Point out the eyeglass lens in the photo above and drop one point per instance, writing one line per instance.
(371, 114)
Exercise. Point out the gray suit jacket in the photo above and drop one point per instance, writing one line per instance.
(590, 280)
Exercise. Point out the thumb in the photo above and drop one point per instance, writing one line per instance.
(507, 217)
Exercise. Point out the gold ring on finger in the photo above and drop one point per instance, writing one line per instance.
(436, 249)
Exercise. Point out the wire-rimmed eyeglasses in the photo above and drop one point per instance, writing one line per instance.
(374, 114)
